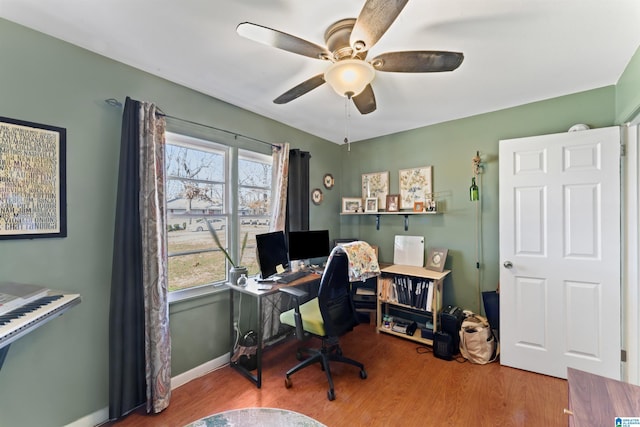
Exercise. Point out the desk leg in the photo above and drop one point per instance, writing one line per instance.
(232, 333)
(256, 379)
(259, 349)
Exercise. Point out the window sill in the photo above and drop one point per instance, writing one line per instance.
(198, 292)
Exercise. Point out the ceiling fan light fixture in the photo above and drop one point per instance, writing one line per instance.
(349, 77)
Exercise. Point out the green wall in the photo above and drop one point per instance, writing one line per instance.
(59, 373)
(628, 91)
(449, 148)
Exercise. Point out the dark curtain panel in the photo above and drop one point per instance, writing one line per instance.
(127, 388)
(298, 191)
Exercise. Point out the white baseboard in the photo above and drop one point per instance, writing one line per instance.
(199, 371)
(94, 419)
(101, 416)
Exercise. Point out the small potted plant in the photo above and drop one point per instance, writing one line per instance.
(237, 270)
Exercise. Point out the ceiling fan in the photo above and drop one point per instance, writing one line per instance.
(347, 43)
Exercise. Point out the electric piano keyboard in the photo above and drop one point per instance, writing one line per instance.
(22, 320)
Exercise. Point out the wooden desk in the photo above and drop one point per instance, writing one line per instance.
(597, 401)
(252, 290)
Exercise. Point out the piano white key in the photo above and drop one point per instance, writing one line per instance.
(22, 325)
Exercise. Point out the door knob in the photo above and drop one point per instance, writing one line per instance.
(508, 264)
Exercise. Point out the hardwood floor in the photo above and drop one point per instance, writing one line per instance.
(406, 386)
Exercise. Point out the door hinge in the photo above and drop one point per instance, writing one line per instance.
(623, 355)
(623, 150)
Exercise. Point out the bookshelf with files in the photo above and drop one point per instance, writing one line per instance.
(408, 294)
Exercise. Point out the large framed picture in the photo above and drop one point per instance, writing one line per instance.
(376, 185)
(416, 185)
(351, 205)
(33, 199)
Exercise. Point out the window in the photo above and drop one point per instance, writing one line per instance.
(199, 189)
(254, 202)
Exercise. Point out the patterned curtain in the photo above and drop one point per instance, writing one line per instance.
(139, 340)
(280, 182)
(157, 340)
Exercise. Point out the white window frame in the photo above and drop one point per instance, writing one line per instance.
(229, 205)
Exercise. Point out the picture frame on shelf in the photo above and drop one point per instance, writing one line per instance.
(35, 176)
(376, 184)
(393, 203)
(416, 185)
(351, 204)
(436, 258)
(371, 205)
(418, 206)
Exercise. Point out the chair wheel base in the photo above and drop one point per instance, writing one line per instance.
(287, 382)
(331, 395)
(363, 374)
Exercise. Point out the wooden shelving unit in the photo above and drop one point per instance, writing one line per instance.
(385, 305)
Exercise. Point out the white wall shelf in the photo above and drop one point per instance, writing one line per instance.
(406, 215)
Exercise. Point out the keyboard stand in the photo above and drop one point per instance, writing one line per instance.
(36, 323)
(3, 354)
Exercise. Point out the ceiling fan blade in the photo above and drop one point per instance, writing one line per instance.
(418, 61)
(366, 101)
(374, 20)
(281, 40)
(301, 89)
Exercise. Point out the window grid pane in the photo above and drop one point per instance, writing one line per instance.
(254, 202)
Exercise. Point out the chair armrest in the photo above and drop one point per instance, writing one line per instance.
(297, 294)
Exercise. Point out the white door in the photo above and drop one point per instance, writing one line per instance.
(560, 252)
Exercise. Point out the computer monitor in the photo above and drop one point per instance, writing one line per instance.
(309, 244)
(271, 250)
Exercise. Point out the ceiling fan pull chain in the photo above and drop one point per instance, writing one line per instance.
(347, 118)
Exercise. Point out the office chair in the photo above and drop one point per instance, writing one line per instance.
(327, 317)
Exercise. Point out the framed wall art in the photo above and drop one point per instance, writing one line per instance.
(393, 202)
(371, 205)
(376, 185)
(436, 257)
(33, 198)
(351, 204)
(416, 185)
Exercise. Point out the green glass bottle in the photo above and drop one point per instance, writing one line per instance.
(474, 195)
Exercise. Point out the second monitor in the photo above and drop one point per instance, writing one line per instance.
(309, 244)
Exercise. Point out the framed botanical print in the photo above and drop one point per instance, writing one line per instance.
(376, 185)
(416, 185)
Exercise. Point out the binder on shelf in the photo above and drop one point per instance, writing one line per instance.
(430, 296)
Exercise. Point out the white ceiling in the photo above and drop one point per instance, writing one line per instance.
(516, 52)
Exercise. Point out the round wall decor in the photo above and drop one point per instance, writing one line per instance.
(316, 196)
(328, 181)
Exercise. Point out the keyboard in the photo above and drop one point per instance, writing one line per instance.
(292, 276)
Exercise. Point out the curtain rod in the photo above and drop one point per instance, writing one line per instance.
(115, 103)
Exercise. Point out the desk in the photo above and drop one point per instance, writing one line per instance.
(252, 290)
